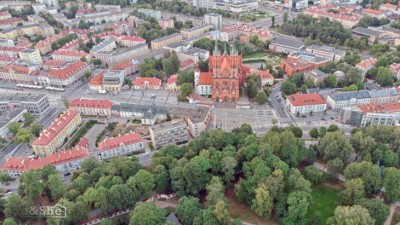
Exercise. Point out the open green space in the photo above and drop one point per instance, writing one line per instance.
(81, 132)
(324, 201)
(256, 55)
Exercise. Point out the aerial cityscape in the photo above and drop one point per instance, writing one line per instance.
(200, 112)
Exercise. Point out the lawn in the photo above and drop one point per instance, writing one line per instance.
(256, 55)
(325, 200)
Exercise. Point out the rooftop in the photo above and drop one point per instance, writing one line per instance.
(21, 97)
(90, 103)
(388, 108)
(115, 142)
(366, 31)
(168, 125)
(300, 99)
(290, 42)
(167, 37)
(345, 96)
(8, 115)
(152, 81)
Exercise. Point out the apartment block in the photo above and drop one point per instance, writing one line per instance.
(67, 74)
(9, 116)
(52, 138)
(214, 19)
(91, 107)
(125, 144)
(31, 56)
(196, 31)
(166, 40)
(172, 132)
(35, 104)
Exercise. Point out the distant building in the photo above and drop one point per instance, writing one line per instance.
(68, 55)
(172, 83)
(286, 45)
(35, 104)
(340, 100)
(238, 6)
(50, 3)
(366, 65)
(91, 107)
(67, 160)
(151, 13)
(8, 116)
(166, 23)
(333, 54)
(67, 74)
(305, 103)
(316, 75)
(237, 30)
(148, 114)
(201, 3)
(370, 34)
(121, 145)
(364, 115)
(395, 69)
(196, 31)
(172, 132)
(345, 17)
(218, 35)
(301, 62)
(112, 81)
(146, 83)
(214, 19)
(166, 40)
(52, 138)
(296, 4)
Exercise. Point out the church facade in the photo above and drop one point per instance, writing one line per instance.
(224, 78)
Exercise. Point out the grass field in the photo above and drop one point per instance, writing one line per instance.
(325, 200)
(256, 55)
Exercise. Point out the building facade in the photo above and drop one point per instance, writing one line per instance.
(305, 103)
(121, 145)
(91, 107)
(35, 104)
(172, 132)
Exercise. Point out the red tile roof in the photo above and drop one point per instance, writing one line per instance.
(25, 164)
(395, 67)
(11, 49)
(320, 10)
(152, 81)
(295, 64)
(260, 32)
(53, 63)
(11, 21)
(83, 142)
(265, 75)
(4, 58)
(306, 99)
(20, 70)
(70, 53)
(115, 142)
(206, 78)
(122, 65)
(90, 103)
(46, 136)
(133, 38)
(366, 63)
(186, 63)
(380, 108)
(173, 79)
(97, 80)
(372, 11)
(65, 72)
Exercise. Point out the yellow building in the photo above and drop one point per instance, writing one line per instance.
(51, 139)
(31, 56)
(196, 31)
(166, 40)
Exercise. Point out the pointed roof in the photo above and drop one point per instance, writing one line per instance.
(216, 50)
(225, 49)
(225, 64)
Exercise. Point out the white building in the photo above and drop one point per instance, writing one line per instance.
(203, 82)
(9, 116)
(121, 145)
(214, 19)
(50, 3)
(305, 103)
(340, 100)
(31, 56)
(91, 107)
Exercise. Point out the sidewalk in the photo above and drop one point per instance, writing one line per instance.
(389, 219)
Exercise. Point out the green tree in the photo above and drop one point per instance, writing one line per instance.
(147, 213)
(298, 204)
(23, 135)
(215, 191)
(262, 204)
(171, 64)
(56, 186)
(354, 189)
(106, 222)
(376, 208)
(186, 90)
(13, 127)
(33, 187)
(313, 174)
(251, 88)
(288, 88)
(368, 172)
(28, 119)
(314, 133)
(384, 77)
(187, 209)
(285, 17)
(143, 182)
(10, 221)
(334, 145)
(391, 182)
(272, 21)
(14, 207)
(221, 212)
(96, 62)
(228, 166)
(351, 215)
(36, 129)
(186, 77)
(161, 178)
(261, 98)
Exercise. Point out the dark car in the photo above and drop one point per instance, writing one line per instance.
(323, 119)
(304, 116)
(67, 174)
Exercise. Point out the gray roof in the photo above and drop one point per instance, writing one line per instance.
(8, 115)
(22, 97)
(316, 74)
(102, 44)
(290, 42)
(173, 219)
(168, 125)
(197, 27)
(129, 107)
(192, 51)
(345, 96)
(166, 37)
(366, 31)
(128, 49)
(383, 93)
(327, 49)
(196, 115)
(178, 44)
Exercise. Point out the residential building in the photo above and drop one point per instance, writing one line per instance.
(365, 115)
(235, 6)
(100, 7)
(31, 56)
(91, 107)
(366, 65)
(50, 3)
(67, 160)
(266, 77)
(172, 83)
(166, 40)
(35, 104)
(324, 51)
(166, 23)
(384, 96)
(388, 7)
(8, 116)
(128, 67)
(395, 69)
(51, 139)
(151, 13)
(370, 34)
(340, 100)
(286, 45)
(96, 83)
(11, 22)
(305, 103)
(201, 3)
(203, 84)
(373, 13)
(239, 29)
(146, 83)
(199, 120)
(105, 45)
(214, 19)
(196, 31)
(316, 75)
(67, 74)
(49, 64)
(173, 132)
(121, 145)
(296, 4)
(346, 18)
(38, 8)
(5, 15)
(112, 81)
(218, 35)
(122, 54)
(148, 114)
(129, 41)
(68, 55)
(10, 51)
(20, 72)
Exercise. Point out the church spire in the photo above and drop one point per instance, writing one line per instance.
(216, 50)
(233, 47)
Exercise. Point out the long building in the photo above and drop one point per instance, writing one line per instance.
(172, 132)
(63, 161)
(166, 40)
(52, 138)
(121, 145)
(305, 103)
(9, 116)
(364, 115)
(35, 104)
(286, 45)
(91, 107)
